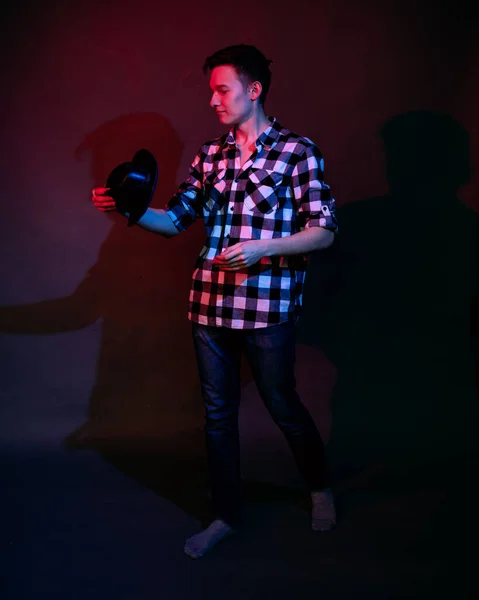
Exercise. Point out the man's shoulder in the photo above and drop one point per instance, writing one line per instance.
(210, 151)
(301, 142)
(214, 144)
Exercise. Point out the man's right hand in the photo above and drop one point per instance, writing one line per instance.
(101, 200)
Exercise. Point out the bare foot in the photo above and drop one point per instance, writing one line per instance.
(197, 545)
(323, 516)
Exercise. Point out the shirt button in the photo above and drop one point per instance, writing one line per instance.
(231, 209)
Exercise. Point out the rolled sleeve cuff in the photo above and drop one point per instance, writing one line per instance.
(180, 213)
(320, 220)
(174, 218)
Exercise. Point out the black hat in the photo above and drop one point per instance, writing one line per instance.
(132, 185)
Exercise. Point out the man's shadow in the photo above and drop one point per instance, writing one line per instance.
(145, 414)
(390, 305)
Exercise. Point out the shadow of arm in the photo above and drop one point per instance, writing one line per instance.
(59, 315)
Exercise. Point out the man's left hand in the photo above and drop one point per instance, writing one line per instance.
(241, 255)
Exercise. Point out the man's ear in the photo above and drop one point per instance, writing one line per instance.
(255, 90)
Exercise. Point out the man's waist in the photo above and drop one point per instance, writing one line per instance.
(297, 262)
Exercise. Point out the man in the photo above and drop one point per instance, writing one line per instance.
(260, 191)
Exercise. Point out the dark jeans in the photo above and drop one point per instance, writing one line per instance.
(270, 352)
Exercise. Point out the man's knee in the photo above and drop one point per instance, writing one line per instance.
(221, 421)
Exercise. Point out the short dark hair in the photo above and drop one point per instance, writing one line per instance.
(247, 61)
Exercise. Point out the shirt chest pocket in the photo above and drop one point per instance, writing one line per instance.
(262, 192)
(214, 188)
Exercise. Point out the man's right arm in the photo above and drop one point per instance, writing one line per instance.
(181, 211)
(156, 220)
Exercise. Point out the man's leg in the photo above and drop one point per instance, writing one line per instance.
(218, 354)
(271, 354)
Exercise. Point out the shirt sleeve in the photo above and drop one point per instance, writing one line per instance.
(185, 206)
(316, 205)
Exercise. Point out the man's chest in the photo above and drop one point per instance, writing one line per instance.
(259, 185)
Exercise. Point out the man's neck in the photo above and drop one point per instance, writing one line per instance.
(248, 132)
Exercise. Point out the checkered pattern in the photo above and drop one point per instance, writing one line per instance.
(278, 192)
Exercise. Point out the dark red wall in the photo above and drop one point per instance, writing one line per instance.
(85, 85)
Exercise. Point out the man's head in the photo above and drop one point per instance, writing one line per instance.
(239, 79)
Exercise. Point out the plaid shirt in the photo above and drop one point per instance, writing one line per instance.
(278, 192)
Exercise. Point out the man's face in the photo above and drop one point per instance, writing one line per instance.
(230, 97)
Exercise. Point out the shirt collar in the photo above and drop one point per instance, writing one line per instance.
(267, 139)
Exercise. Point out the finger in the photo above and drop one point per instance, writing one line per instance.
(234, 256)
(105, 206)
(221, 259)
(96, 198)
(100, 191)
(104, 203)
(231, 252)
(231, 269)
(232, 266)
(221, 256)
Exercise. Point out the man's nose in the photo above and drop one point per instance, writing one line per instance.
(214, 101)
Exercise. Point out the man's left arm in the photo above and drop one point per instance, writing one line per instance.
(303, 242)
(315, 213)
